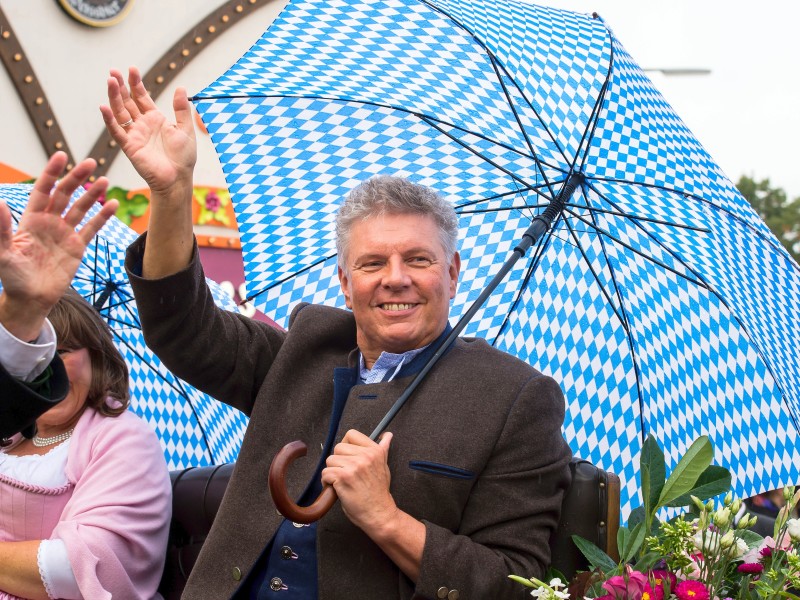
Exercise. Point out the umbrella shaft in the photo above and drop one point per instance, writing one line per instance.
(541, 223)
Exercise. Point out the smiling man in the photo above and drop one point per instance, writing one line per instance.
(464, 489)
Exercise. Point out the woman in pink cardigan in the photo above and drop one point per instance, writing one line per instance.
(85, 501)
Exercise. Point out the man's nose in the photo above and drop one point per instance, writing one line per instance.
(396, 273)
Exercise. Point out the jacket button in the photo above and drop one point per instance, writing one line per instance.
(452, 595)
(287, 553)
(442, 592)
(276, 584)
(237, 573)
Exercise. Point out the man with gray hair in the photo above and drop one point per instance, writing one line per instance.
(464, 490)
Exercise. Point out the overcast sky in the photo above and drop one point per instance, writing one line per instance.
(746, 112)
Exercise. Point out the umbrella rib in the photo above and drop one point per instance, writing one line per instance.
(633, 219)
(692, 196)
(470, 149)
(488, 199)
(622, 316)
(624, 321)
(594, 117)
(289, 277)
(578, 206)
(423, 117)
(533, 263)
(626, 215)
(496, 63)
(478, 211)
(178, 387)
(700, 282)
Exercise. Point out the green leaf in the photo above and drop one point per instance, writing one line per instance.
(653, 472)
(596, 557)
(686, 473)
(553, 573)
(636, 517)
(633, 543)
(751, 538)
(623, 534)
(712, 482)
(647, 561)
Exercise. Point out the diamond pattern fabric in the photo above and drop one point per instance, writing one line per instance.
(659, 300)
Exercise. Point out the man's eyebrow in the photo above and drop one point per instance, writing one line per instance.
(368, 256)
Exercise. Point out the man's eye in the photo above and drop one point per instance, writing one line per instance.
(420, 261)
(369, 267)
(63, 351)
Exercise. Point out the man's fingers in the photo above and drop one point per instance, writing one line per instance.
(385, 440)
(139, 93)
(82, 205)
(40, 196)
(112, 125)
(353, 436)
(96, 223)
(184, 118)
(117, 97)
(131, 104)
(5, 227)
(69, 183)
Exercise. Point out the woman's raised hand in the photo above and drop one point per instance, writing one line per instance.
(40, 259)
(163, 153)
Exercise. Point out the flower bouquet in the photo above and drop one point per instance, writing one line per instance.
(706, 552)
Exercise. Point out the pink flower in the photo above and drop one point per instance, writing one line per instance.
(750, 568)
(765, 549)
(661, 578)
(631, 586)
(652, 594)
(691, 590)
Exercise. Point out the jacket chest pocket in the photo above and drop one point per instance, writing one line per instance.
(434, 491)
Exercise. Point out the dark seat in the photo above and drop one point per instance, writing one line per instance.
(590, 509)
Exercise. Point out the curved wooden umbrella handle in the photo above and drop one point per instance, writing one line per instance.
(277, 488)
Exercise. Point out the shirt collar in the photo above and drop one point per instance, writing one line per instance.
(390, 365)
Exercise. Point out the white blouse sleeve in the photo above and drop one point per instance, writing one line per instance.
(56, 572)
(24, 360)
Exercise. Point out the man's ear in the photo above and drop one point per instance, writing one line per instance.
(344, 281)
(455, 269)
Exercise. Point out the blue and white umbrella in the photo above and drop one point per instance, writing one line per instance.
(660, 300)
(194, 429)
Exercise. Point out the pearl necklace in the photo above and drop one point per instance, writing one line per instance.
(41, 442)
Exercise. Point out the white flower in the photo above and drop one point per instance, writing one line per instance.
(722, 517)
(793, 528)
(741, 548)
(550, 591)
(706, 541)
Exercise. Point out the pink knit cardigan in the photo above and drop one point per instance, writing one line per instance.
(116, 522)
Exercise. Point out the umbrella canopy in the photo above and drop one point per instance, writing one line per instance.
(660, 300)
(194, 429)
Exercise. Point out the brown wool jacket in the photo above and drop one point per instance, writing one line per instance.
(479, 410)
